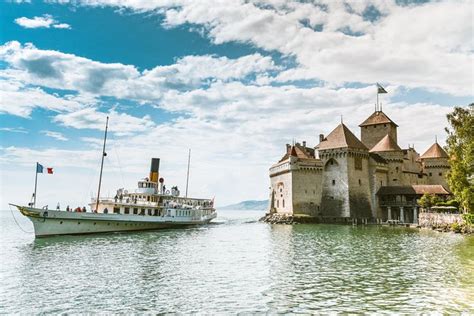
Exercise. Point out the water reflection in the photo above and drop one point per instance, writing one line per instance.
(239, 265)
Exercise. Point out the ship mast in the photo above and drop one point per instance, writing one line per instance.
(187, 176)
(102, 165)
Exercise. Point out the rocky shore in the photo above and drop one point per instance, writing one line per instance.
(288, 219)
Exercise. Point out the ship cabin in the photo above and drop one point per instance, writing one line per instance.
(152, 198)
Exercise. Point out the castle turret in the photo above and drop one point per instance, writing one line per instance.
(375, 127)
(346, 191)
(389, 150)
(435, 164)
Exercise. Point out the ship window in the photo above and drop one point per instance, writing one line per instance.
(117, 210)
(148, 198)
(156, 213)
(127, 210)
(135, 210)
(149, 211)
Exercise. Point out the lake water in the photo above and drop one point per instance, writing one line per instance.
(237, 265)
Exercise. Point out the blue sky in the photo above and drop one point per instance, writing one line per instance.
(232, 81)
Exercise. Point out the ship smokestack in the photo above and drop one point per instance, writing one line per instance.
(154, 169)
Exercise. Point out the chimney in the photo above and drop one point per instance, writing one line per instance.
(154, 169)
(304, 143)
(321, 137)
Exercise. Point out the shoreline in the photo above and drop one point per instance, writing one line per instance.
(289, 219)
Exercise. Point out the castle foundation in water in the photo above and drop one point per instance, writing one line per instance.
(347, 180)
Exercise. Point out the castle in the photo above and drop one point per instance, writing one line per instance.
(344, 179)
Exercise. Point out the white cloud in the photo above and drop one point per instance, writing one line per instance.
(121, 124)
(14, 130)
(55, 135)
(425, 45)
(20, 100)
(45, 21)
(62, 26)
(58, 70)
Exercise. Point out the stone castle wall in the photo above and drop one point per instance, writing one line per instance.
(335, 192)
(359, 186)
(307, 191)
(372, 134)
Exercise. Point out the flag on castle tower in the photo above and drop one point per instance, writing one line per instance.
(381, 89)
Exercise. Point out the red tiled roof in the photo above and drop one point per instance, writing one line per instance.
(378, 117)
(386, 144)
(298, 151)
(415, 189)
(341, 137)
(435, 151)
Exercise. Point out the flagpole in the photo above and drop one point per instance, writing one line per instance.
(377, 106)
(36, 184)
(101, 165)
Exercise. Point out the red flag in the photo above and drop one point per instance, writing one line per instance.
(50, 170)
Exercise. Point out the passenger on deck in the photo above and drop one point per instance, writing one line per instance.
(84, 209)
(68, 209)
(58, 207)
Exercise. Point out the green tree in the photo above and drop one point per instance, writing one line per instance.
(460, 147)
(428, 200)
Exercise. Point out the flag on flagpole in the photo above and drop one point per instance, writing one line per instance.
(39, 168)
(381, 89)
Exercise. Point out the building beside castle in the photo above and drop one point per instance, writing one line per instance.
(344, 178)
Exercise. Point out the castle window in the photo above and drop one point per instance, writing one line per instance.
(385, 125)
(360, 182)
(375, 126)
(430, 174)
(332, 162)
(278, 203)
(283, 203)
(305, 191)
(358, 163)
(396, 169)
(440, 174)
(333, 182)
(381, 183)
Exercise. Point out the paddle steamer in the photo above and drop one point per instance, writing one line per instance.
(150, 206)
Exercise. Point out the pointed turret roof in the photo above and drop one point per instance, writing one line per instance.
(378, 117)
(435, 151)
(341, 137)
(386, 144)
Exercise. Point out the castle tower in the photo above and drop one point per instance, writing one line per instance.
(388, 149)
(435, 164)
(346, 189)
(375, 127)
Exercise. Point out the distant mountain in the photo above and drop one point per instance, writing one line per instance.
(250, 205)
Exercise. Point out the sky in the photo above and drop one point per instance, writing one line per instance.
(234, 81)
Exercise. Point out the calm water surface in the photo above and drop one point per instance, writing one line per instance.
(237, 265)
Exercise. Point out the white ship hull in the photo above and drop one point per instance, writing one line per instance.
(51, 223)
